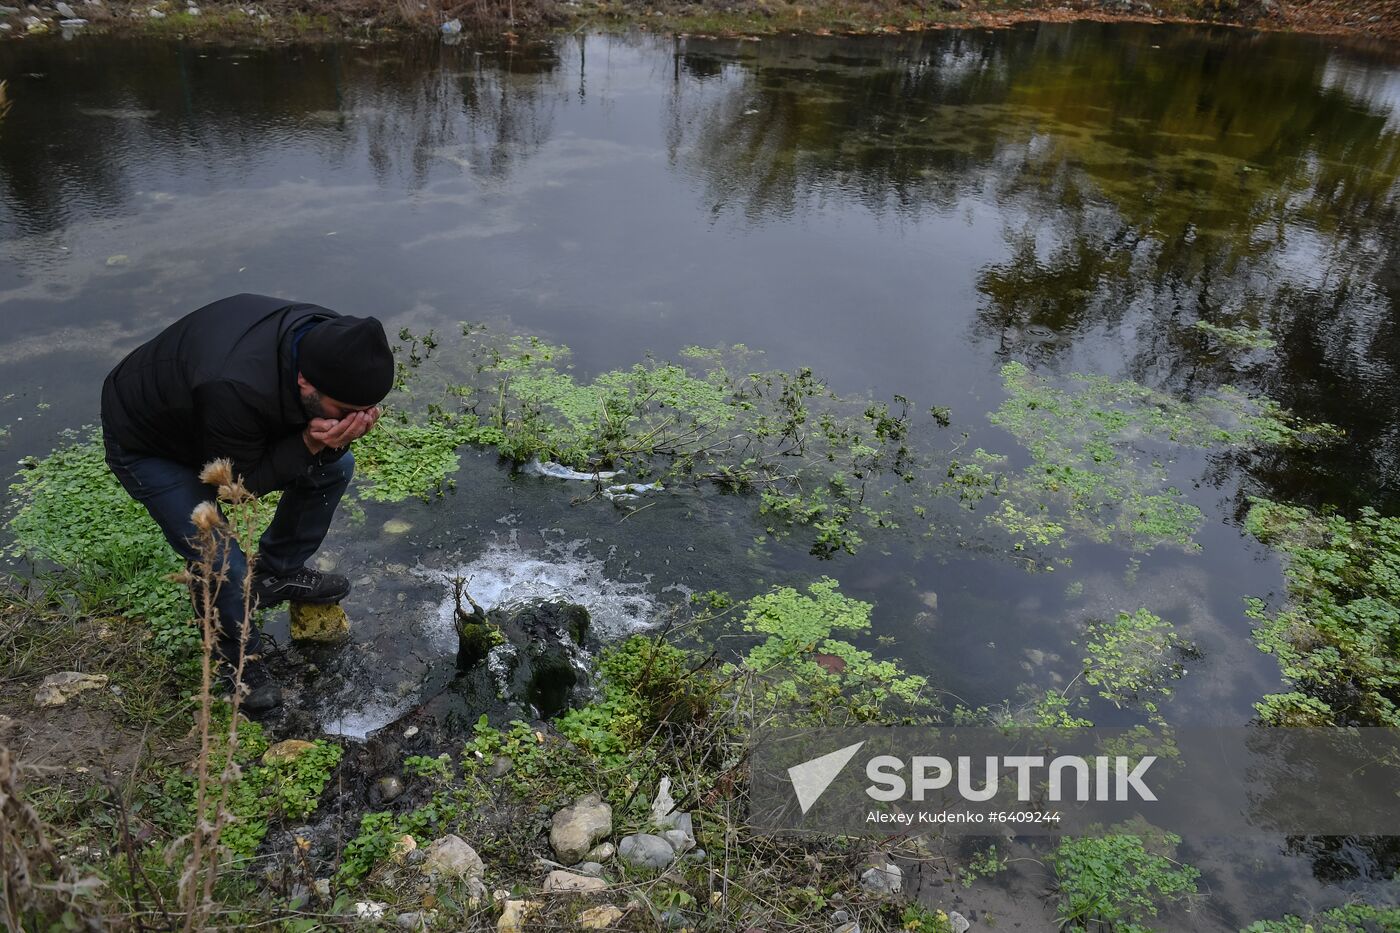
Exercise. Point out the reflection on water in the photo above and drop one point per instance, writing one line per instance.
(1185, 208)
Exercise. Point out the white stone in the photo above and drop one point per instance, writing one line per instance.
(576, 828)
(451, 857)
(569, 883)
(370, 910)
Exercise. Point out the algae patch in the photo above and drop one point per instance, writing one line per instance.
(1100, 450)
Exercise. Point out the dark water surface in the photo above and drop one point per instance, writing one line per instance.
(904, 215)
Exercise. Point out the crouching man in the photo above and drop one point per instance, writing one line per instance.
(280, 389)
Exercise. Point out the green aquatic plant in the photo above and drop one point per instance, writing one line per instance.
(1350, 918)
(1239, 337)
(1099, 452)
(805, 667)
(1337, 639)
(1120, 881)
(1131, 658)
(401, 460)
(821, 463)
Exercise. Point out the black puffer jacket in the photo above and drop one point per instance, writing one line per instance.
(220, 382)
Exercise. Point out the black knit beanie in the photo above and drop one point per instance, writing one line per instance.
(348, 359)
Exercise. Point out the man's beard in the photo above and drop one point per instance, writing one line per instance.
(312, 405)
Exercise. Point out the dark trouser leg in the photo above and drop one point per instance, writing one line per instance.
(170, 491)
(303, 517)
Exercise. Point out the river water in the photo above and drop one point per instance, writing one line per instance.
(902, 214)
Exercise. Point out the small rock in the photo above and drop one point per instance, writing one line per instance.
(590, 868)
(498, 768)
(72, 23)
(885, 878)
(64, 10)
(958, 923)
(59, 688)
(388, 788)
(414, 920)
(929, 598)
(851, 927)
(840, 916)
(322, 886)
(513, 916)
(397, 526)
(452, 27)
(287, 750)
(679, 841)
(601, 853)
(599, 918)
(157, 14)
(575, 829)
(370, 910)
(410, 732)
(451, 857)
(644, 850)
(567, 882)
(696, 855)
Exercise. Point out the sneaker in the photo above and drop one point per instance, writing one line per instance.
(300, 586)
(260, 690)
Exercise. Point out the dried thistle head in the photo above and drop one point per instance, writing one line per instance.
(184, 577)
(234, 492)
(217, 472)
(206, 516)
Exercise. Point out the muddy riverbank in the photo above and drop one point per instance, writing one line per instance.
(520, 20)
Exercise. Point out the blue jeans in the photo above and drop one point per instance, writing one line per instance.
(170, 491)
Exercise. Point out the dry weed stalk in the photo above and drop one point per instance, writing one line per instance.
(215, 536)
(25, 854)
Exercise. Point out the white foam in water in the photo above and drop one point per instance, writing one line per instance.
(505, 575)
(380, 710)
